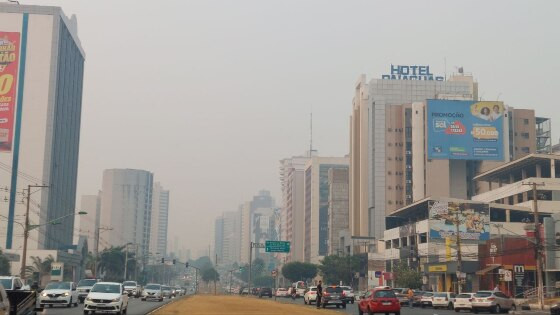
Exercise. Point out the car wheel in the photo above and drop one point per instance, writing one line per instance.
(475, 310)
(360, 311)
(457, 310)
(86, 312)
(513, 308)
(343, 305)
(423, 306)
(143, 299)
(497, 309)
(369, 311)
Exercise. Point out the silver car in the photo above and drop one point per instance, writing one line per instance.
(492, 301)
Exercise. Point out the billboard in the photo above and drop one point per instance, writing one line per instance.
(9, 64)
(473, 220)
(465, 130)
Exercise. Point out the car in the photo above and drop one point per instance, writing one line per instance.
(492, 301)
(443, 300)
(265, 292)
(417, 298)
(426, 299)
(166, 291)
(333, 295)
(132, 288)
(178, 291)
(463, 301)
(83, 288)
(245, 291)
(310, 296)
(282, 292)
(379, 300)
(107, 297)
(13, 283)
(555, 309)
(402, 295)
(59, 293)
(152, 291)
(349, 294)
(255, 291)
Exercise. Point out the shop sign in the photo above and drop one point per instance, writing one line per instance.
(437, 268)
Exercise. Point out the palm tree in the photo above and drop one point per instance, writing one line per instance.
(40, 266)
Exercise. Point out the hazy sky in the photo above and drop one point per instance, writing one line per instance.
(210, 95)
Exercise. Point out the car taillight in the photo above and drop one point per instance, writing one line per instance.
(326, 294)
(343, 294)
(491, 299)
(446, 298)
(470, 300)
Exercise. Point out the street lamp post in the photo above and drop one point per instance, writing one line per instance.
(26, 229)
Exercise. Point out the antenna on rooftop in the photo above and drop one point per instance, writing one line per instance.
(311, 133)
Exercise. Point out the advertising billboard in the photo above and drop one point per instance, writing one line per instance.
(9, 64)
(465, 130)
(473, 220)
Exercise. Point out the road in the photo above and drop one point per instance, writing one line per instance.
(353, 309)
(135, 307)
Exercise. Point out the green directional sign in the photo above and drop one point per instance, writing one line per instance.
(277, 247)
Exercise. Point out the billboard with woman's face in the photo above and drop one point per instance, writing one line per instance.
(465, 130)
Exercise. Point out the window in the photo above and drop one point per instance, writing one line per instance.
(525, 149)
(389, 129)
(396, 243)
(497, 215)
(412, 240)
(387, 244)
(525, 121)
(423, 238)
(404, 241)
(525, 135)
(389, 173)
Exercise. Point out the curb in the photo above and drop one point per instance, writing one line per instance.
(166, 304)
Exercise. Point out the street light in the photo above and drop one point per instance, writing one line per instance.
(28, 227)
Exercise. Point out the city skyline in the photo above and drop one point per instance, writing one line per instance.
(320, 76)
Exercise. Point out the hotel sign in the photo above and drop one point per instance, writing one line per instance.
(413, 72)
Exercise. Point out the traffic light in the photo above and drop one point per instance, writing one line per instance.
(162, 260)
(174, 261)
(187, 265)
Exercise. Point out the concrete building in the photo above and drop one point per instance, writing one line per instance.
(231, 241)
(89, 224)
(126, 207)
(245, 215)
(338, 209)
(370, 122)
(389, 168)
(316, 205)
(292, 171)
(219, 238)
(40, 118)
(159, 220)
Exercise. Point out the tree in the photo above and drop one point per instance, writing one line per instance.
(263, 281)
(296, 271)
(342, 268)
(4, 265)
(39, 268)
(210, 274)
(406, 277)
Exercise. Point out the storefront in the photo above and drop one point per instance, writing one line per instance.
(442, 277)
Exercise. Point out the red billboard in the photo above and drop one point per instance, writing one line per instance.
(9, 64)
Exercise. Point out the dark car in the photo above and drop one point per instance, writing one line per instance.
(555, 309)
(265, 292)
(333, 295)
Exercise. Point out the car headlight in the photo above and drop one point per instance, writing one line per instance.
(116, 299)
(89, 299)
(44, 294)
(65, 294)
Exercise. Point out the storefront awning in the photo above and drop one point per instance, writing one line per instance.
(488, 268)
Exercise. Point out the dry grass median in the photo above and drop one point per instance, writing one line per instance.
(234, 305)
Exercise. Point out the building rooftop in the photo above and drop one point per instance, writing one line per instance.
(511, 168)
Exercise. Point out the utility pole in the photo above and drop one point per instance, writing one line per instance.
(97, 232)
(26, 229)
(538, 254)
(125, 260)
(459, 258)
(250, 265)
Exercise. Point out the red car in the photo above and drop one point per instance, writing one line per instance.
(379, 301)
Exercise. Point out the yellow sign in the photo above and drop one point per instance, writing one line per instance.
(437, 268)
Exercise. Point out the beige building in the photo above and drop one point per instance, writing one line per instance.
(316, 205)
(89, 223)
(292, 211)
(338, 208)
(245, 214)
(159, 220)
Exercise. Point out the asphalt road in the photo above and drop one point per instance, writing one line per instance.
(135, 307)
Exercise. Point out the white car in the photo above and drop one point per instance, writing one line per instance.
(132, 288)
(107, 297)
(426, 299)
(492, 301)
(152, 291)
(83, 288)
(463, 301)
(349, 294)
(13, 283)
(310, 295)
(281, 292)
(59, 293)
(443, 300)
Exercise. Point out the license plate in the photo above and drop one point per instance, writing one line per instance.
(335, 301)
(100, 305)
(386, 303)
(479, 300)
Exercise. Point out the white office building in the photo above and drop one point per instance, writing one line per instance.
(159, 221)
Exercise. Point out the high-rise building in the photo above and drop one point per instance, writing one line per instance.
(41, 79)
(338, 208)
(316, 205)
(89, 224)
(231, 237)
(219, 238)
(292, 172)
(126, 207)
(245, 241)
(159, 220)
(372, 118)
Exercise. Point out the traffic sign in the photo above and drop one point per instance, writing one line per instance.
(277, 247)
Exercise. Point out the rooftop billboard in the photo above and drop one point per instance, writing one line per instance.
(473, 220)
(465, 130)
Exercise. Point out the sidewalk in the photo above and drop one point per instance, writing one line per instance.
(233, 305)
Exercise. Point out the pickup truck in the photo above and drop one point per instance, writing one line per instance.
(17, 299)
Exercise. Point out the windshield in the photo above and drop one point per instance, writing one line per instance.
(346, 288)
(166, 288)
(58, 286)
(129, 284)
(6, 283)
(106, 288)
(87, 282)
(483, 294)
(153, 287)
(428, 294)
(440, 295)
(464, 296)
(385, 294)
